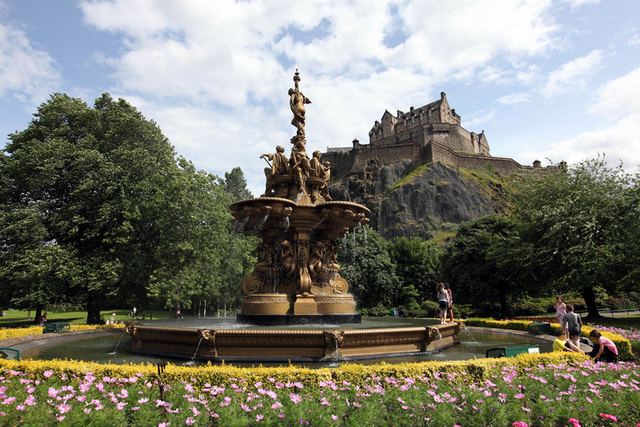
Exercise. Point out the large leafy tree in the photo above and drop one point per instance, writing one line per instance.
(473, 264)
(579, 229)
(93, 184)
(366, 265)
(203, 259)
(417, 266)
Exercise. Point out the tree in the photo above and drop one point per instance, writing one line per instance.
(93, 183)
(580, 228)
(473, 266)
(203, 258)
(366, 265)
(417, 266)
(236, 185)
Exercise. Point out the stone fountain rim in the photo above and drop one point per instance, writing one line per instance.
(234, 206)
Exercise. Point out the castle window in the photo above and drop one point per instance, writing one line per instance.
(413, 119)
(387, 129)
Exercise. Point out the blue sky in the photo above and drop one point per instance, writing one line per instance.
(545, 79)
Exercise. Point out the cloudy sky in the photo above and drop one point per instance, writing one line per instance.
(545, 79)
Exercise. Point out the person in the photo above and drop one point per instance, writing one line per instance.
(443, 302)
(604, 350)
(43, 319)
(561, 344)
(450, 308)
(133, 312)
(112, 320)
(561, 309)
(178, 315)
(572, 324)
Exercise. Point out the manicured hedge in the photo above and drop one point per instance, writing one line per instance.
(457, 371)
(623, 344)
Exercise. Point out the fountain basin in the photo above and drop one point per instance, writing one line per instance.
(290, 345)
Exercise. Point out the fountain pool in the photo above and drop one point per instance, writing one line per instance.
(100, 348)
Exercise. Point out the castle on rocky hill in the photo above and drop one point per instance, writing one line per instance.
(431, 133)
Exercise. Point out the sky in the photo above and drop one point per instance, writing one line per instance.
(546, 80)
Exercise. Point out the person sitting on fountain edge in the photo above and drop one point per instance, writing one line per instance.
(561, 344)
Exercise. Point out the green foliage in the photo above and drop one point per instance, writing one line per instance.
(413, 173)
(417, 265)
(367, 267)
(472, 264)
(579, 230)
(236, 185)
(95, 210)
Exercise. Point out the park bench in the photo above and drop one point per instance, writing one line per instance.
(514, 350)
(56, 327)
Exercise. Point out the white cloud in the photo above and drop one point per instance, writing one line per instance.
(618, 100)
(514, 98)
(574, 74)
(26, 73)
(212, 60)
(479, 118)
(577, 3)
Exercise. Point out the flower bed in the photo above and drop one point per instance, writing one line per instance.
(622, 343)
(548, 389)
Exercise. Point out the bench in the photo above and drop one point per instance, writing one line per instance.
(56, 327)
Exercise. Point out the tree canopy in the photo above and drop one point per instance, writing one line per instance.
(96, 209)
(579, 229)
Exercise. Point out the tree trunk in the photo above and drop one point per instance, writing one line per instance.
(504, 307)
(38, 313)
(590, 299)
(93, 311)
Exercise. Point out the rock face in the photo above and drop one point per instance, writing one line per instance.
(409, 201)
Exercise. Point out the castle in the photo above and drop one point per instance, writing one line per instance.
(431, 133)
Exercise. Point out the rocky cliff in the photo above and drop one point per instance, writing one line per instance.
(408, 201)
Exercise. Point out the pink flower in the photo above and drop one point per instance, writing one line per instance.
(190, 421)
(520, 424)
(575, 422)
(61, 417)
(295, 398)
(610, 417)
(335, 417)
(48, 373)
(259, 417)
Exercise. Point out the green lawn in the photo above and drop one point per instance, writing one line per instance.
(18, 318)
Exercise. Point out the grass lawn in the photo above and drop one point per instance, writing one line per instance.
(18, 318)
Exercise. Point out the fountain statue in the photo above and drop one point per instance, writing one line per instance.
(297, 279)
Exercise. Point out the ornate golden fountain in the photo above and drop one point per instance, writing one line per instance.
(297, 279)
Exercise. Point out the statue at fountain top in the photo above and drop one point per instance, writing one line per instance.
(277, 167)
(296, 102)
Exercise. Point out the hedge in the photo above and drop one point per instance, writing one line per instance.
(623, 344)
(468, 371)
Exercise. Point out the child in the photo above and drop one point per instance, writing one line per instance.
(603, 348)
(561, 309)
(572, 323)
(560, 344)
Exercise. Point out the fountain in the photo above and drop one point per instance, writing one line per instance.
(296, 279)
